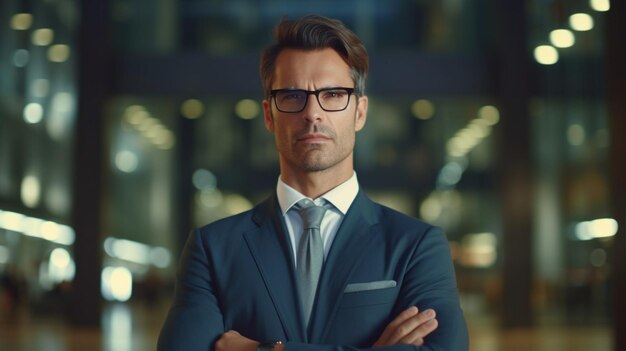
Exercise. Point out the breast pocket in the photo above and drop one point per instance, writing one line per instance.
(369, 297)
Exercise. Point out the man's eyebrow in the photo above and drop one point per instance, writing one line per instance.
(333, 87)
(336, 86)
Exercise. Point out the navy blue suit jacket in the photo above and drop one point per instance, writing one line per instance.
(238, 273)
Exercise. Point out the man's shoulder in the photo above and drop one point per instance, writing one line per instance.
(405, 231)
(239, 222)
(229, 221)
(394, 220)
(400, 226)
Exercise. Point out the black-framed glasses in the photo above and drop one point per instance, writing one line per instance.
(295, 100)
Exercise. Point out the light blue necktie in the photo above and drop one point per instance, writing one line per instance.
(310, 253)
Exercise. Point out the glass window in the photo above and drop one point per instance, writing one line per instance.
(38, 101)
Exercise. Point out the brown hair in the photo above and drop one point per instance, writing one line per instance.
(311, 33)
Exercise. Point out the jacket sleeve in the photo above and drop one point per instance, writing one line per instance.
(194, 321)
(430, 282)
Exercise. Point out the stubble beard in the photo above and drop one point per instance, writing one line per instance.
(319, 157)
(316, 157)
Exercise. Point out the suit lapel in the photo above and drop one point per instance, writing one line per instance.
(271, 249)
(350, 243)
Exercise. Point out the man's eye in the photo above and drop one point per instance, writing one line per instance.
(333, 94)
(292, 96)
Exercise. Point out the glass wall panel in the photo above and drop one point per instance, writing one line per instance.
(573, 226)
(38, 100)
(573, 229)
(141, 204)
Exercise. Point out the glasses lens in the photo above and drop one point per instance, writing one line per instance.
(334, 99)
(291, 100)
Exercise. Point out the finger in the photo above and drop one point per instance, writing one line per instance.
(391, 327)
(409, 325)
(416, 337)
(403, 316)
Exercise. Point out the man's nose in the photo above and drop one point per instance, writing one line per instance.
(313, 111)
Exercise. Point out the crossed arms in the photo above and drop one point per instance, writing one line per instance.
(410, 327)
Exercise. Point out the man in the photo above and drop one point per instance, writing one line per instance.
(275, 278)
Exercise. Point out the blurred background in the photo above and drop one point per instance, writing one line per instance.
(126, 123)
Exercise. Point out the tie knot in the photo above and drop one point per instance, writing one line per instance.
(311, 214)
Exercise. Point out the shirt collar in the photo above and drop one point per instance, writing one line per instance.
(340, 196)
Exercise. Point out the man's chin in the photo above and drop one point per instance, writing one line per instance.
(317, 161)
(314, 163)
(315, 166)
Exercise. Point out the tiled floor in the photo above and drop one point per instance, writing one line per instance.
(135, 327)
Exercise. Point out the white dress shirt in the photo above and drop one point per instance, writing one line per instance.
(341, 197)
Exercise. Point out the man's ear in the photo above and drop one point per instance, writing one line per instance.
(361, 113)
(267, 115)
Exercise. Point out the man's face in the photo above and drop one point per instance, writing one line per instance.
(314, 140)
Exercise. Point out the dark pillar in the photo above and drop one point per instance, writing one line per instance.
(94, 83)
(515, 166)
(616, 78)
(184, 188)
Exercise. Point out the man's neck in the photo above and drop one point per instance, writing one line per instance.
(315, 184)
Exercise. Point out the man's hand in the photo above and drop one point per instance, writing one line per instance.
(233, 341)
(410, 328)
